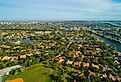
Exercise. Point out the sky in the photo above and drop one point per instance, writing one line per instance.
(60, 9)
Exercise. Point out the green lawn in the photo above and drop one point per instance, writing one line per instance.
(38, 73)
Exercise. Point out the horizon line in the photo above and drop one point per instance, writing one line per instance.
(58, 20)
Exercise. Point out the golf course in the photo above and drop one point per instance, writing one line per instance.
(38, 73)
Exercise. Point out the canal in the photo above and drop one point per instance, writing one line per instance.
(110, 42)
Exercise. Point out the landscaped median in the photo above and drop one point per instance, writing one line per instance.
(37, 73)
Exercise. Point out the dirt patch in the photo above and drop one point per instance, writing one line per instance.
(16, 80)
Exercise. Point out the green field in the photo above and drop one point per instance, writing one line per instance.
(38, 73)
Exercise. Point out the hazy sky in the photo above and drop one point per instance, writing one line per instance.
(60, 9)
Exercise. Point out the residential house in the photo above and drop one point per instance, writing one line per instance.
(29, 55)
(114, 78)
(47, 32)
(91, 73)
(69, 62)
(98, 49)
(116, 62)
(106, 68)
(77, 54)
(85, 64)
(17, 42)
(6, 58)
(102, 75)
(60, 58)
(22, 56)
(14, 58)
(77, 63)
(93, 52)
(95, 66)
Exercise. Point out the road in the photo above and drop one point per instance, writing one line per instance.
(66, 47)
(8, 69)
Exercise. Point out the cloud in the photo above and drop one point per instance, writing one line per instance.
(61, 9)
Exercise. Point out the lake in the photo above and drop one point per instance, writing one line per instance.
(23, 40)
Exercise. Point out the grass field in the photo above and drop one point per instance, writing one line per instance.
(38, 73)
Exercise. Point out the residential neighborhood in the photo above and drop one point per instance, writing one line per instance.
(52, 54)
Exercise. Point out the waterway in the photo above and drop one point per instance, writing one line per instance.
(113, 23)
(22, 40)
(110, 42)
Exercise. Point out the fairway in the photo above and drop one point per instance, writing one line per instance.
(38, 73)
